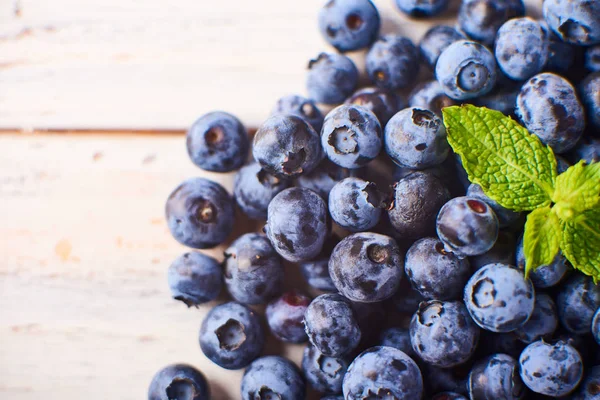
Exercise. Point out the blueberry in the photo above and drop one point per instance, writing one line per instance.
(596, 325)
(370, 318)
(406, 300)
(505, 216)
(254, 188)
(179, 381)
(366, 267)
(467, 226)
(561, 55)
(285, 315)
(231, 335)
(551, 369)
(351, 136)
(435, 41)
(549, 108)
(384, 104)
(271, 378)
(502, 252)
(420, 8)
(355, 204)
(199, 213)
(397, 338)
(443, 334)
(498, 298)
(577, 301)
(574, 21)
(589, 89)
(324, 374)
(297, 224)
(592, 58)
(589, 389)
(446, 379)
(301, 107)
(448, 396)
(543, 276)
(417, 201)
(331, 78)
(542, 323)
(430, 96)
(287, 146)
(322, 179)
(253, 269)
(349, 24)
(195, 278)
(481, 19)
(496, 377)
(333, 397)
(393, 62)
(316, 273)
(331, 325)
(502, 98)
(466, 70)
(416, 138)
(218, 142)
(561, 164)
(588, 149)
(383, 372)
(435, 273)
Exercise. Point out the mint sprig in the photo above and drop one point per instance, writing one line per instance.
(516, 170)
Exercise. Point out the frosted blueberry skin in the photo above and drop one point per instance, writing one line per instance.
(179, 381)
(505, 216)
(417, 201)
(254, 188)
(217, 142)
(422, 9)
(481, 19)
(596, 326)
(195, 278)
(434, 272)
(322, 179)
(574, 21)
(435, 40)
(331, 325)
(544, 276)
(231, 335)
(351, 136)
(297, 224)
(498, 298)
(416, 138)
(273, 377)
(430, 96)
(549, 108)
(587, 149)
(355, 204)
(551, 369)
(496, 377)
(301, 107)
(324, 374)
(466, 70)
(467, 226)
(253, 270)
(331, 78)
(443, 334)
(502, 252)
(366, 267)
(588, 90)
(349, 24)
(287, 146)
(592, 58)
(590, 386)
(395, 375)
(398, 338)
(285, 315)
(199, 213)
(384, 104)
(542, 323)
(393, 62)
(449, 396)
(577, 301)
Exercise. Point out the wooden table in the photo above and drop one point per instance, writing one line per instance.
(85, 309)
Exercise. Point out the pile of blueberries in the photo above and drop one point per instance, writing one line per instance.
(418, 274)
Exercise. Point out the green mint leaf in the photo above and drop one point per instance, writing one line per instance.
(580, 242)
(577, 189)
(541, 239)
(511, 165)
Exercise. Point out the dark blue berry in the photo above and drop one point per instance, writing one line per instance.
(253, 269)
(331, 78)
(218, 142)
(446, 379)
(496, 377)
(577, 301)
(393, 62)
(179, 381)
(231, 335)
(505, 216)
(323, 373)
(199, 213)
(254, 188)
(430, 96)
(491, 343)
(574, 21)
(366, 267)
(384, 104)
(589, 389)
(195, 278)
(502, 252)
(420, 8)
(349, 24)
(592, 58)
(561, 55)
(323, 178)
(355, 204)
(589, 89)
(481, 19)
(272, 378)
(285, 315)
(596, 326)
(406, 300)
(502, 98)
(435, 41)
(300, 107)
(398, 338)
(543, 276)
(587, 149)
(542, 323)
(561, 164)
(297, 224)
